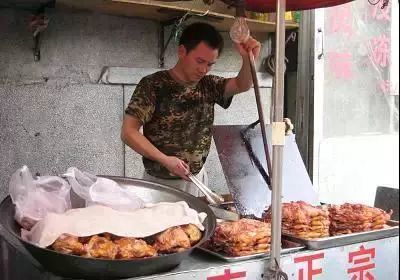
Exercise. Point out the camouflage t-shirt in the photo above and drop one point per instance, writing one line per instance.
(177, 119)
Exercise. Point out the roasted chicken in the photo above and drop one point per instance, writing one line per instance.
(172, 240)
(68, 244)
(307, 221)
(109, 246)
(243, 237)
(350, 218)
(131, 248)
(101, 247)
(193, 233)
(303, 220)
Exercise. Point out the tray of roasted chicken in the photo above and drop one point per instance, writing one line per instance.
(320, 227)
(244, 239)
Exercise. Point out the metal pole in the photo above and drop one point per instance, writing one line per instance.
(277, 146)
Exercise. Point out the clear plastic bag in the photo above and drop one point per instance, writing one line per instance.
(102, 191)
(35, 197)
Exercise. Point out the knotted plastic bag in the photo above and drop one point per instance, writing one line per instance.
(102, 191)
(35, 197)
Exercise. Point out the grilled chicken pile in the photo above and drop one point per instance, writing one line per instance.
(306, 221)
(107, 246)
(351, 218)
(303, 220)
(241, 238)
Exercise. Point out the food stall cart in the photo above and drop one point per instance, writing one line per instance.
(377, 259)
(370, 255)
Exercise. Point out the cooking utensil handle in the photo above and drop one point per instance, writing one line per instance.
(210, 195)
(219, 199)
(260, 110)
(209, 198)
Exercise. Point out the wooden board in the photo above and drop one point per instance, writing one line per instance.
(218, 14)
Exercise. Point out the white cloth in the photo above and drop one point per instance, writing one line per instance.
(180, 184)
(152, 219)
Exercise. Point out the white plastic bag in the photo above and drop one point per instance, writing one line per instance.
(102, 191)
(35, 197)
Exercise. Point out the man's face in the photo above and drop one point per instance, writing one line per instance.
(198, 62)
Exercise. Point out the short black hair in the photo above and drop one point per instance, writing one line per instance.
(198, 32)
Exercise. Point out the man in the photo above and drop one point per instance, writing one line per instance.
(175, 107)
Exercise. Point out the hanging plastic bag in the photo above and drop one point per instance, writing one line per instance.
(102, 191)
(35, 197)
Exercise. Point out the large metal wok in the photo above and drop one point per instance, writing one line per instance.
(87, 268)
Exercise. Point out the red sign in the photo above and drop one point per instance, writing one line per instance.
(311, 271)
(340, 65)
(341, 20)
(228, 275)
(388, 88)
(362, 263)
(380, 50)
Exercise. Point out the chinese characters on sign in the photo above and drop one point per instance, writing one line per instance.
(362, 264)
(389, 88)
(310, 271)
(380, 47)
(341, 21)
(340, 64)
(380, 50)
(228, 275)
(357, 263)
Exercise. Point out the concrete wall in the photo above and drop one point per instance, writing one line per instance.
(54, 114)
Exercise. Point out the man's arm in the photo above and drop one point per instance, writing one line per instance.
(132, 137)
(244, 80)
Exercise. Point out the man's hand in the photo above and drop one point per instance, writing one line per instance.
(176, 167)
(251, 46)
(243, 81)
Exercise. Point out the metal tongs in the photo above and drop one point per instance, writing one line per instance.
(211, 197)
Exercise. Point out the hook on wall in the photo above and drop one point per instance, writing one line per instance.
(37, 24)
(175, 32)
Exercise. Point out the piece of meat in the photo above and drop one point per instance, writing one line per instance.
(106, 235)
(193, 233)
(68, 244)
(172, 240)
(85, 239)
(109, 236)
(244, 231)
(240, 238)
(299, 212)
(303, 219)
(357, 213)
(131, 248)
(238, 252)
(101, 247)
(351, 218)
